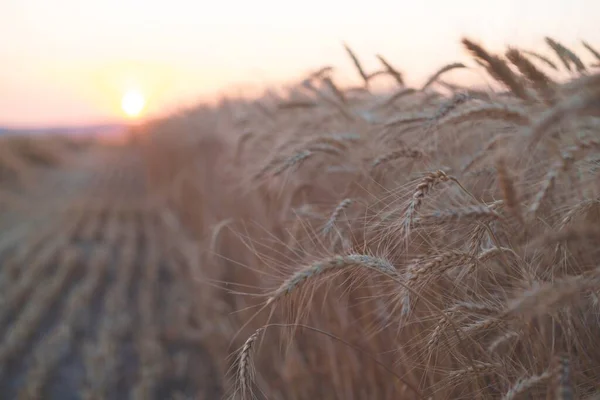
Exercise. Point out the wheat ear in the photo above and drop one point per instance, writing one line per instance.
(541, 58)
(497, 69)
(591, 50)
(509, 191)
(537, 79)
(585, 103)
(357, 64)
(423, 187)
(245, 363)
(329, 265)
(471, 213)
(336, 91)
(441, 71)
(563, 389)
(344, 204)
(566, 55)
(524, 384)
(394, 155)
(502, 112)
(391, 70)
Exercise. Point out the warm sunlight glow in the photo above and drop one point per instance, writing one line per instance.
(133, 103)
(101, 50)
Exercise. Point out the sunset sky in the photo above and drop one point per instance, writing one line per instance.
(71, 61)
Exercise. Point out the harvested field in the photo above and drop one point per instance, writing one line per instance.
(91, 285)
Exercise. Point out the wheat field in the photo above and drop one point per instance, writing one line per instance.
(319, 242)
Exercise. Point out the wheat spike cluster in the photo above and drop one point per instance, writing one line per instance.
(437, 241)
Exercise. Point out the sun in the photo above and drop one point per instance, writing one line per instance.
(133, 103)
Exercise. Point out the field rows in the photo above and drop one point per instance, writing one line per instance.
(86, 298)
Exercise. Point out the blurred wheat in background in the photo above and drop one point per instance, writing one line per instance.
(318, 242)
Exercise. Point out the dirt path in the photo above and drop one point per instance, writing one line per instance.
(88, 288)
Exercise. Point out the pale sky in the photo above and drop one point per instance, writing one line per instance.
(71, 61)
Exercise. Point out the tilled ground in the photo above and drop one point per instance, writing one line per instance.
(89, 284)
